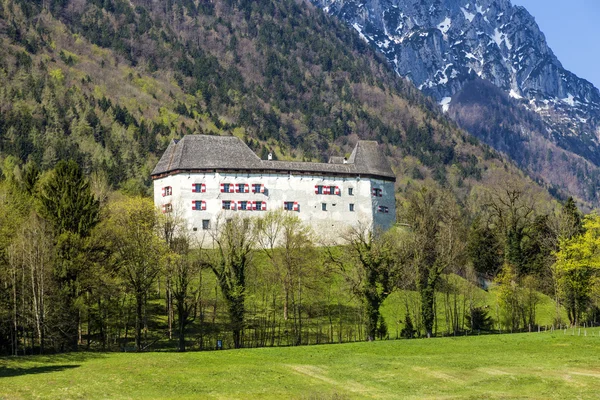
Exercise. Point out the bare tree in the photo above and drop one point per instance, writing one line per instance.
(288, 244)
(370, 263)
(439, 242)
(234, 239)
(33, 248)
(182, 267)
(511, 207)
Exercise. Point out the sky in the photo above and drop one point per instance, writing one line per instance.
(572, 30)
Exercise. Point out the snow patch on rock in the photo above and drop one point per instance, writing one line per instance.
(445, 103)
(444, 26)
(514, 94)
(468, 16)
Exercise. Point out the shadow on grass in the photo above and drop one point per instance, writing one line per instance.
(10, 372)
(63, 358)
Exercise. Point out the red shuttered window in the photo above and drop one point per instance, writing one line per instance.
(259, 206)
(258, 188)
(229, 205)
(227, 188)
(198, 188)
(291, 206)
(332, 190)
(242, 188)
(199, 205)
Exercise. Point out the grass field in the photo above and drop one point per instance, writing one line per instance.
(530, 365)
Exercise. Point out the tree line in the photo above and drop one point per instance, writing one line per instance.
(82, 267)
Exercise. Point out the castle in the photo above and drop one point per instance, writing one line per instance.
(203, 178)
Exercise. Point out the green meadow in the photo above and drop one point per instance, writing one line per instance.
(527, 365)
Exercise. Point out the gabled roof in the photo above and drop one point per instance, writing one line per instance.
(202, 152)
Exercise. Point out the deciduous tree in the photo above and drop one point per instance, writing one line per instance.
(578, 264)
(138, 250)
(439, 242)
(234, 239)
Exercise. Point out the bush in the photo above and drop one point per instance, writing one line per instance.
(479, 319)
(408, 332)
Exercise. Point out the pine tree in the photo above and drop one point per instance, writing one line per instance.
(67, 203)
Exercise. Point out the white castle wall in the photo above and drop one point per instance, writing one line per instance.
(329, 225)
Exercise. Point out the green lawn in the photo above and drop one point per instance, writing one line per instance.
(531, 365)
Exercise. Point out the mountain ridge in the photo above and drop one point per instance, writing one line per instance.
(442, 45)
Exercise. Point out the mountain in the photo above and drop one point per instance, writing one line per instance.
(446, 47)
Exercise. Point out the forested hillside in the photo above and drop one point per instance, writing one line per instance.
(109, 83)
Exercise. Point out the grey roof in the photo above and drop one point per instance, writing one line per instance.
(202, 152)
(337, 160)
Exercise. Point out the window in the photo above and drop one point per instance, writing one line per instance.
(244, 206)
(324, 206)
(199, 205)
(167, 208)
(205, 224)
(167, 191)
(258, 188)
(383, 209)
(242, 188)
(226, 188)
(228, 205)
(351, 207)
(350, 191)
(377, 192)
(291, 206)
(260, 206)
(198, 188)
(320, 189)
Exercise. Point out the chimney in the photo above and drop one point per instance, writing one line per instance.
(270, 156)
